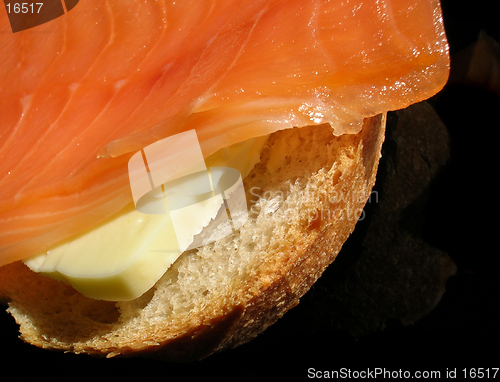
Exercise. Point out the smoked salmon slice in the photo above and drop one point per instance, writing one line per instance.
(81, 94)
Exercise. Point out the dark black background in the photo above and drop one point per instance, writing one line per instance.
(463, 331)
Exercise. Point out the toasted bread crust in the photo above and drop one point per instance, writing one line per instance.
(324, 194)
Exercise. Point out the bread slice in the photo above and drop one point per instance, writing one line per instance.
(304, 197)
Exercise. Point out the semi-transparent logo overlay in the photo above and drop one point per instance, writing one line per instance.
(30, 14)
(170, 177)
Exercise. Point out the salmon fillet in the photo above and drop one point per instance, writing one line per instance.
(81, 94)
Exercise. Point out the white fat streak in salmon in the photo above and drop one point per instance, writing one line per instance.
(26, 104)
(72, 88)
(129, 143)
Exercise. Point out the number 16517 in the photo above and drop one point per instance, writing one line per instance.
(24, 7)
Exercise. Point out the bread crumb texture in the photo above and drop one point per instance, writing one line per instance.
(304, 198)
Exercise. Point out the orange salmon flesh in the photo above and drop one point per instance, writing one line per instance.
(80, 94)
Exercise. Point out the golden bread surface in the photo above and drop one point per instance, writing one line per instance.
(304, 198)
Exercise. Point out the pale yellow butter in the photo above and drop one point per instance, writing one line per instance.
(126, 255)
